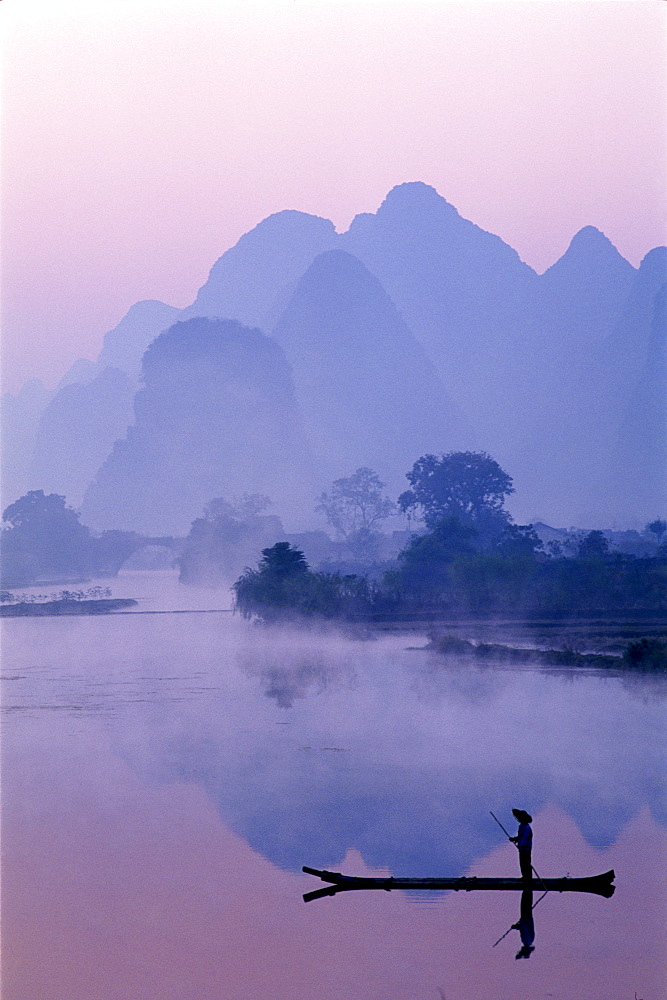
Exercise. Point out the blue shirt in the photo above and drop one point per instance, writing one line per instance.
(524, 839)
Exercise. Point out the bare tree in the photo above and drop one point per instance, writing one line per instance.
(356, 504)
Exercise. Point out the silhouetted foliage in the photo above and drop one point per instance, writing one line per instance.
(646, 654)
(356, 502)
(91, 594)
(594, 545)
(450, 645)
(425, 564)
(283, 586)
(467, 485)
(38, 512)
(473, 560)
(453, 564)
(657, 528)
(44, 539)
(282, 561)
(43, 536)
(519, 541)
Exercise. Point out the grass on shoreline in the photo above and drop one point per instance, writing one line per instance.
(65, 607)
(645, 654)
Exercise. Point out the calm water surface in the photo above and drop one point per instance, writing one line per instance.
(165, 777)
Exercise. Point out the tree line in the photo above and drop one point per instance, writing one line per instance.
(43, 539)
(467, 558)
(472, 559)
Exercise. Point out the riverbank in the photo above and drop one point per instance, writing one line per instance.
(449, 645)
(38, 609)
(645, 654)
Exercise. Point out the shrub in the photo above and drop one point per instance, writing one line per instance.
(646, 654)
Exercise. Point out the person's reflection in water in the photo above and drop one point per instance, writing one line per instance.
(526, 925)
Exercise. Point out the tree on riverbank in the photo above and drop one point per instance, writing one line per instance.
(466, 485)
(283, 586)
(42, 538)
(472, 561)
(355, 508)
(42, 535)
(436, 579)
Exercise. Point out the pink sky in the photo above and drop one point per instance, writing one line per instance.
(141, 140)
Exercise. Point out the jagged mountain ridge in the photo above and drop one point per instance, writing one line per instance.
(452, 281)
(623, 422)
(518, 353)
(246, 281)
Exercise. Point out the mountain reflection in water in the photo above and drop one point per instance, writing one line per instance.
(158, 809)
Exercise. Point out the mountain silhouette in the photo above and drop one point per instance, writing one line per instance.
(580, 300)
(19, 419)
(79, 373)
(582, 295)
(216, 417)
(367, 391)
(124, 346)
(246, 281)
(463, 292)
(622, 406)
(542, 371)
(76, 432)
(640, 452)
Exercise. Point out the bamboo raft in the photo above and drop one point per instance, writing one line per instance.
(601, 885)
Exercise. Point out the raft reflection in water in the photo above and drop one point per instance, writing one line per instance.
(600, 885)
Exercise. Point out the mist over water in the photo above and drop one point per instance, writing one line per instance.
(195, 762)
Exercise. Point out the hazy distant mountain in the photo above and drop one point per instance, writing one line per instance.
(246, 281)
(79, 373)
(216, 417)
(368, 393)
(77, 431)
(627, 402)
(584, 473)
(545, 367)
(624, 351)
(544, 370)
(19, 418)
(124, 346)
(92, 406)
(245, 284)
(638, 469)
(582, 295)
(463, 292)
(580, 300)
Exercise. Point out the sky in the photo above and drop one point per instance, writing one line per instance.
(141, 139)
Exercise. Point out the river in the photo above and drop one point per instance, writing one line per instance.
(166, 776)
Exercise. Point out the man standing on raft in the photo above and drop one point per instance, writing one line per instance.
(524, 841)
